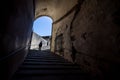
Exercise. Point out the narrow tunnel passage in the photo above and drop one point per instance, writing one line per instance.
(86, 32)
(44, 65)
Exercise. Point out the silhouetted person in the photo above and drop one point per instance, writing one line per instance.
(40, 45)
(47, 43)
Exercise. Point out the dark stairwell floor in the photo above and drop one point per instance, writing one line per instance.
(43, 65)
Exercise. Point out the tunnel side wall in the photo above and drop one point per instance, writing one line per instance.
(97, 43)
(15, 34)
(90, 37)
(61, 42)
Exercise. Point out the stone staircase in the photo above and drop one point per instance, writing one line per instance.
(43, 65)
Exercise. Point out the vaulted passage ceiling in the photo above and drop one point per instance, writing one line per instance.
(53, 8)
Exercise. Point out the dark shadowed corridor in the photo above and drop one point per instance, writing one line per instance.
(84, 32)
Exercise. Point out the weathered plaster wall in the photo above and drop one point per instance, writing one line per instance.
(53, 8)
(61, 33)
(92, 36)
(96, 33)
(62, 28)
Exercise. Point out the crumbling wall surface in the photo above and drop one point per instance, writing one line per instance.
(91, 37)
(96, 33)
(61, 37)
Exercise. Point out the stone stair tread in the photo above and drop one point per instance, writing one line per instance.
(43, 57)
(49, 72)
(53, 77)
(44, 61)
(48, 67)
(37, 63)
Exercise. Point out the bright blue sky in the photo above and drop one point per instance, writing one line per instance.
(43, 26)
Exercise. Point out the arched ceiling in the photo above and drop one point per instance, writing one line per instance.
(53, 8)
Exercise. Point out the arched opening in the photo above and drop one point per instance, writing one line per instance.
(42, 28)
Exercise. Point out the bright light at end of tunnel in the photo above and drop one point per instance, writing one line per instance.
(43, 26)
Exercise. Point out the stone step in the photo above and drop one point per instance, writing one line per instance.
(49, 67)
(42, 56)
(46, 63)
(33, 72)
(45, 59)
(52, 77)
(42, 60)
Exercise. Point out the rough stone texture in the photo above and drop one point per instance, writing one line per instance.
(53, 8)
(63, 27)
(15, 34)
(93, 34)
(96, 34)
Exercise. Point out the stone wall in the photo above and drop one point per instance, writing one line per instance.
(61, 30)
(96, 30)
(91, 36)
(15, 34)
